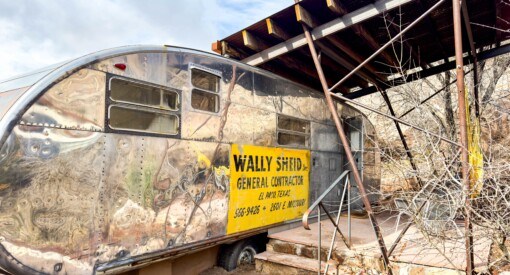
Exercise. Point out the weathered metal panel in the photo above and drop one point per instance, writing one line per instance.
(325, 138)
(264, 127)
(326, 167)
(239, 124)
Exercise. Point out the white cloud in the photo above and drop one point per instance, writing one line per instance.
(38, 33)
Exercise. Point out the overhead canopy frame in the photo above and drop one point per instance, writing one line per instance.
(346, 32)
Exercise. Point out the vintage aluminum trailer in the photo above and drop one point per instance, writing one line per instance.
(141, 153)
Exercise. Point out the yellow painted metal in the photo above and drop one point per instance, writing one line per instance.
(475, 152)
(267, 185)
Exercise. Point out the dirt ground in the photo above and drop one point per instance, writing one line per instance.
(244, 270)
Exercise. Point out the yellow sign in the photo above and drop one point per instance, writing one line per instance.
(267, 185)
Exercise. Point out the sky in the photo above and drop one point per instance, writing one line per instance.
(37, 33)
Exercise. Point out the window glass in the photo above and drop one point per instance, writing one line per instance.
(204, 101)
(292, 140)
(205, 81)
(143, 120)
(170, 100)
(126, 91)
(292, 124)
(293, 131)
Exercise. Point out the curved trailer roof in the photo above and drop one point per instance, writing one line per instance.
(23, 90)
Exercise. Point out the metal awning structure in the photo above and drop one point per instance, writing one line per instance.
(349, 49)
(346, 32)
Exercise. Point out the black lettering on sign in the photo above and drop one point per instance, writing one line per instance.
(246, 183)
(252, 163)
(288, 164)
(239, 163)
(295, 203)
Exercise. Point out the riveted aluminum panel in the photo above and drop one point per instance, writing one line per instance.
(76, 102)
(150, 67)
(90, 197)
(50, 181)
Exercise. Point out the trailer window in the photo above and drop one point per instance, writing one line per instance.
(204, 95)
(125, 118)
(142, 107)
(293, 132)
(291, 124)
(204, 101)
(122, 90)
(204, 80)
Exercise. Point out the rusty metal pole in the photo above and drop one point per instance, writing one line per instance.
(347, 149)
(461, 95)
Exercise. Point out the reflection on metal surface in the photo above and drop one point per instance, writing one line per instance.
(131, 194)
(77, 102)
(74, 196)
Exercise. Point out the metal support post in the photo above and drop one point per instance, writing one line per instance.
(347, 149)
(319, 244)
(461, 95)
(349, 212)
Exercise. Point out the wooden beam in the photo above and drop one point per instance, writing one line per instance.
(354, 55)
(342, 61)
(335, 6)
(232, 52)
(291, 64)
(432, 27)
(303, 16)
(345, 63)
(276, 30)
(216, 47)
(253, 42)
(414, 55)
(346, 21)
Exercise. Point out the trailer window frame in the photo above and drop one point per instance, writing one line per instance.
(158, 110)
(305, 135)
(214, 93)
